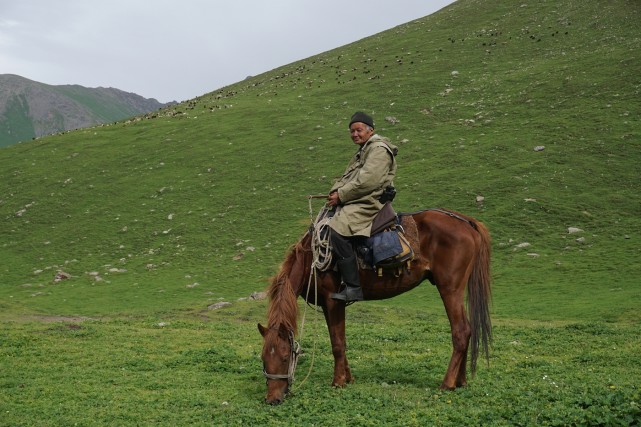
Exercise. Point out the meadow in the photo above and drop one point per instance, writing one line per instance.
(204, 368)
(526, 117)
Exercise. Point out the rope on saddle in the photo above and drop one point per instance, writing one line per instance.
(443, 211)
(321, 247)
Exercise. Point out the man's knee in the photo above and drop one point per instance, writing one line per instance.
(341, 245)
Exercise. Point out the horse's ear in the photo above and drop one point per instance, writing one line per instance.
(262, 329)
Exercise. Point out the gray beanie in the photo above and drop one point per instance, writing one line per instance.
(361, 117)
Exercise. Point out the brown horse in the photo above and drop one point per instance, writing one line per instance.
(453, 251)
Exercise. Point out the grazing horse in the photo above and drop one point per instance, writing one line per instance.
(453, 251)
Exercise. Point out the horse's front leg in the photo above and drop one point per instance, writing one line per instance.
(335, 318)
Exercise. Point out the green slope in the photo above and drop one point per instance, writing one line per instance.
(30, 109)
(17, 125)
(199, 202)
(105, 104)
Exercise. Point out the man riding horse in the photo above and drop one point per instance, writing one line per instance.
(452, 252)
(355, 199)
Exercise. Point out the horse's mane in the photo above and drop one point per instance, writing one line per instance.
(283, 308)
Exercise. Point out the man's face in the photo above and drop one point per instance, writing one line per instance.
(360, 133)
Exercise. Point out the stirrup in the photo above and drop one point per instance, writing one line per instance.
(349, 295)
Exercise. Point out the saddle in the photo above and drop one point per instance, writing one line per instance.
(388, 248)
(391, 248)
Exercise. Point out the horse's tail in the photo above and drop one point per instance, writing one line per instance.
(479, 295)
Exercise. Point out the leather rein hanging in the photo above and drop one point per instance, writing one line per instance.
(295, 348)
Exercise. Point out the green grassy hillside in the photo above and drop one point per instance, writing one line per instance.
(197, 203)
(30, 109)
(523, 115)
(16, 120)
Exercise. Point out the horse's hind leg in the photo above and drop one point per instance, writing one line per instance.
(335, 318)
(461, 331)
(461, 378)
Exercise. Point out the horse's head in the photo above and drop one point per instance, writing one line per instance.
(280, 353)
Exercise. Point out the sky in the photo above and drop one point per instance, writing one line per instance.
(178, 50)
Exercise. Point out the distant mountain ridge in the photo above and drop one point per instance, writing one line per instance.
(29, 109)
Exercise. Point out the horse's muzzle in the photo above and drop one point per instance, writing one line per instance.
(278, 398)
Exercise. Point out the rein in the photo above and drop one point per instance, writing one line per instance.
(321, 258)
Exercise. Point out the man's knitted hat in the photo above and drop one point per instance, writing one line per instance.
(361, 117)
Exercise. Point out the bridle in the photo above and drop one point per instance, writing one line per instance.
(293, 360)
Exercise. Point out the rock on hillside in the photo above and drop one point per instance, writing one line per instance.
(30, 109)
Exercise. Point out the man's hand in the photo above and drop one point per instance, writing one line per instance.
(333, 199)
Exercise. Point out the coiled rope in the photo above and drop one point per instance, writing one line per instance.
(321, 246)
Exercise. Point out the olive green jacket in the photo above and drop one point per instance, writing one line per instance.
(371, 169)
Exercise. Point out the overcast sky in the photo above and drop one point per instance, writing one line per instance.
(177, 50)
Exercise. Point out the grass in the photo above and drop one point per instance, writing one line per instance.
(181, 370)
(158, 217)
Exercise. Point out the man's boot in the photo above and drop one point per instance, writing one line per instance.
(348, 269)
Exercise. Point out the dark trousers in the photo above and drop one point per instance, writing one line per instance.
(342, 246)
(347, 264)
